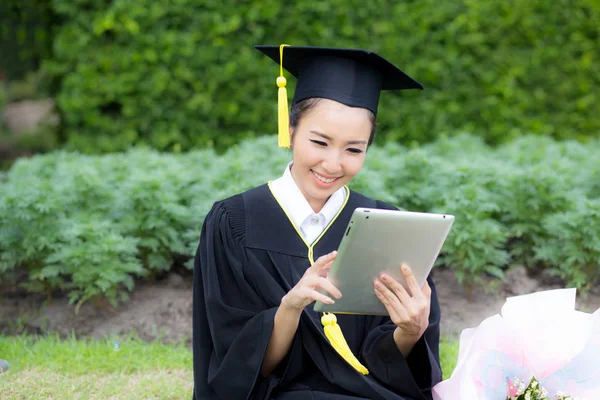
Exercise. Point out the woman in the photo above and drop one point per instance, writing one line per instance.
(264, 255)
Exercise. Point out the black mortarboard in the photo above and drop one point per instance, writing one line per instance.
(352, 77)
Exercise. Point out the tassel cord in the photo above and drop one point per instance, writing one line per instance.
(337, 340)
(283, 118)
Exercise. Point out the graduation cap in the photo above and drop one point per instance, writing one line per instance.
(352, 77)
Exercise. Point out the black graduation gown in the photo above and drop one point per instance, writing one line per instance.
(250, 255)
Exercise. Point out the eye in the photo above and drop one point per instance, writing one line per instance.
(355, 151)
(319, 142)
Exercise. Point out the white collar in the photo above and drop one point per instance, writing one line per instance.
(295, 204)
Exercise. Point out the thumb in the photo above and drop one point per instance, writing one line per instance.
(426, 289)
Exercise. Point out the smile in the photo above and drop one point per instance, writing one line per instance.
(322, 178)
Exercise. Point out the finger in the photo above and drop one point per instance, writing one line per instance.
(394, 315)
(330, 288)
(389, 296)
(324, 261)
(391, 310)
(402, 313)
(324, 284)
(411, 281)
(317, 296)
(324, 272)
(306, 295)
(396, 310)
(397, 288)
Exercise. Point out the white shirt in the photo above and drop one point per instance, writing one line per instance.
(309, 223)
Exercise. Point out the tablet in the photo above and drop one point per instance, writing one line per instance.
(379, 241)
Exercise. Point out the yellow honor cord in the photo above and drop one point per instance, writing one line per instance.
(337, 340)
(283, 117)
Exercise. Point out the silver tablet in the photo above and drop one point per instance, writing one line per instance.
(379, 241)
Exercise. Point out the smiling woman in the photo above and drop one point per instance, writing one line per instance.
(328, 148)
(264, 256)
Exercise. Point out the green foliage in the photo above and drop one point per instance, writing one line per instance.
(185, 74)
(64, 240)
(573, 246)
(3, 100)
(33, 85)
(89, 225)
(26, 34)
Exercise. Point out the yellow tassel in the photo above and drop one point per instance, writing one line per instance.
(337, 340)
(283, 114)
(283, 117)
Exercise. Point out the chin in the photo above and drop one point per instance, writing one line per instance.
(324, 194)
(318, 192)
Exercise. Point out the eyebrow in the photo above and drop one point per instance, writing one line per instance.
(329, 138)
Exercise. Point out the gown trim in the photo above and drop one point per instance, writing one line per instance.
(331, 328)
(310, 246)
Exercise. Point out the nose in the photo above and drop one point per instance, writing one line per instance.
(332, 163)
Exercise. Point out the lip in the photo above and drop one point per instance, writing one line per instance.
(321, 183)
(326, 176)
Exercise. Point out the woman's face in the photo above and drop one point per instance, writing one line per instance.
(328, 149)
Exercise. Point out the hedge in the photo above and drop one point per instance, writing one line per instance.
(91, 225)
(184, 74)
(26, 35)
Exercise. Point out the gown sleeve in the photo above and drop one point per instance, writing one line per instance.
(416, 375)
(232, 325)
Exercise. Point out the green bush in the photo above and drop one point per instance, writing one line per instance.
(26, 34)
(184, 74)
(3, 100)
(573, 246)
(89, 225)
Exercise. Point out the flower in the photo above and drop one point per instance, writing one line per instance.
(533, 391)
(513, 390)
(538, 335)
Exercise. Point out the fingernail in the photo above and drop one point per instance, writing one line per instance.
(405, 268)
(330, 301)
(385, 278)
(377, 285)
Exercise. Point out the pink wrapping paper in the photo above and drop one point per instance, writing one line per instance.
(539, 334)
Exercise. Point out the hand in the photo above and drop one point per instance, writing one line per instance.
(408, 310)
(309, 288)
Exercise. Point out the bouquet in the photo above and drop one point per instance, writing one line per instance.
(538, 347)
(533, 391)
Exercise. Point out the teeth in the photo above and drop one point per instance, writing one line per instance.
(324, 180)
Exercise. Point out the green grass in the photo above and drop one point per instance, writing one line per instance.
(448, 356)
(51, 368)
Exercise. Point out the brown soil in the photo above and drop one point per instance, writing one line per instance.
(163, 310)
